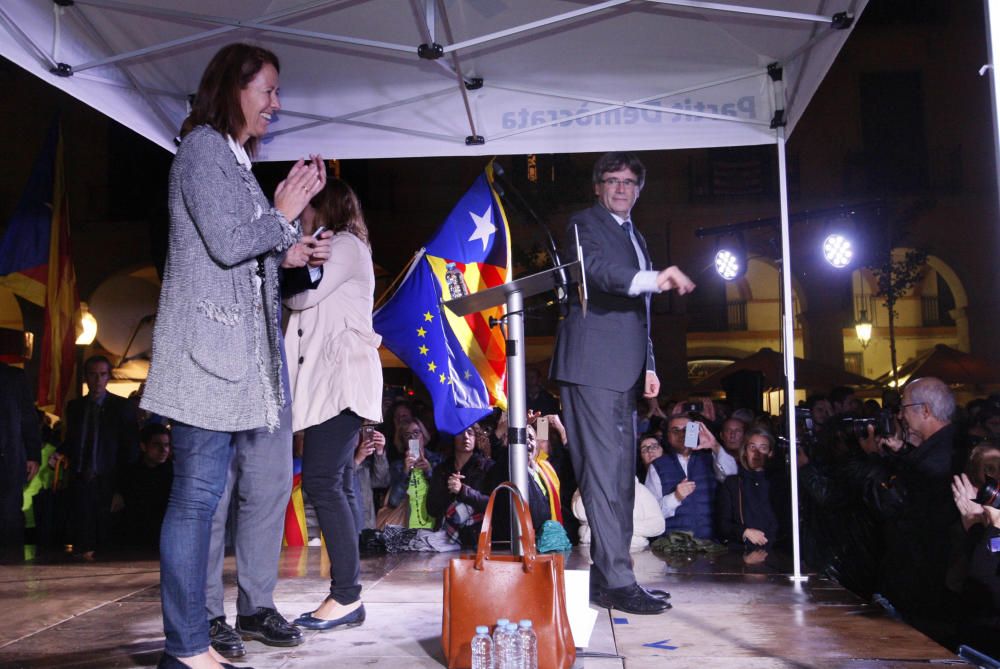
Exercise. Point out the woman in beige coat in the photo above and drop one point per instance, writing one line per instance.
(336, 382)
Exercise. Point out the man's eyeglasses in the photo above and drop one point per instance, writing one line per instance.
(911, 404)
(615, 182)
(649, 448)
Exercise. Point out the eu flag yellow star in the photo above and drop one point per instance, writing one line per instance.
(441, 378)
(421, 332)
(423, 351)
(468, 375)
(428, 316)
(431, 366)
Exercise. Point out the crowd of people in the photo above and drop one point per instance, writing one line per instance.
(264, 331)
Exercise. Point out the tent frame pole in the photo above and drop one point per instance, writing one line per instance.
(788, 350)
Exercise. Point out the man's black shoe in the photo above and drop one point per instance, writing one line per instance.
(598, 595)
(269, 627)
(633, 599)
(659, 594)
(224, 639)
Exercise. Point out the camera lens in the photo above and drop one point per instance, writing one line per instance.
(988, 495)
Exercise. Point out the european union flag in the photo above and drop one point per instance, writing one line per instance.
(461, 360)
(411, 327)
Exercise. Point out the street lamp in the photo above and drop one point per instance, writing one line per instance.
(863, 329)
(88, 327)
(863, 326)
(88, 332)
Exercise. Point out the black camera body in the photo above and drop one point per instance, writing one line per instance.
(884, 424)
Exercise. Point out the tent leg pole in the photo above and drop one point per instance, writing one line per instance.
(788, 334)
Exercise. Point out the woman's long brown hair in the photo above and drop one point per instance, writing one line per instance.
(217, 102)
(337, 208)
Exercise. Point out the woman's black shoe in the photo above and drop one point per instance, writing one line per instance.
(168, 661)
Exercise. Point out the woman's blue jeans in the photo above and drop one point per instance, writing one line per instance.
(201, 464)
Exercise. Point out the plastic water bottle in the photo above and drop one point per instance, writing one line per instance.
(514, 659)
(482, 649)
(529, 645)
(500, 643)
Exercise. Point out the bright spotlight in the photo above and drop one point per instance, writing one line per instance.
(729, 265)
(838, 250)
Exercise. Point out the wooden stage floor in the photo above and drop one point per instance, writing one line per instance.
(726, 614)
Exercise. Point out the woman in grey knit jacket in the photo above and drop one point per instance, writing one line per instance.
(216, 368)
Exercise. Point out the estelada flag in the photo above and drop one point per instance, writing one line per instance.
(35, 264)
(461, 360)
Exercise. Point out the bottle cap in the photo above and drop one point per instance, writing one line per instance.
(511, 627)
(525, 624)
(502, 621)
(482, 629)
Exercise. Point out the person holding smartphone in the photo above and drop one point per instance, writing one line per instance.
(371, 470)
(336, 380)
(217, 367)
(684, 478)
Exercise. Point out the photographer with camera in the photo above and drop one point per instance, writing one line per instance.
(910, 489)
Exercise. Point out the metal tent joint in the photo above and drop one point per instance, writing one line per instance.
(475, 140)
(842, 21)
(778, 120)
(430, 51)
(775, 71)
(64, 3)
(62, 70)
(474, 84)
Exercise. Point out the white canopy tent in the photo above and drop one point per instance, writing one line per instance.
(398, 78)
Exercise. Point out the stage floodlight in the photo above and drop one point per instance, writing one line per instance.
(729, 264)
(838, 250)
(731, 257)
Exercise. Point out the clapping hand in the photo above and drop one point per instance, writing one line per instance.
(304, 180)
(964, 494)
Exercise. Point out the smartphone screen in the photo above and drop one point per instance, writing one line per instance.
(542, 428)
(691, 434)
(414, 446)
(366, 432)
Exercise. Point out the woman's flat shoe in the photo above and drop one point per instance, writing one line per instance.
(168, 661)
(352, 619)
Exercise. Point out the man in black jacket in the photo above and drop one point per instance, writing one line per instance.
(601, 361)
(101, 439)
(911, 491)
(20, 448)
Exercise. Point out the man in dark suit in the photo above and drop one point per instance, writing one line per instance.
(601, 361)
(20, 448)
(102, 437)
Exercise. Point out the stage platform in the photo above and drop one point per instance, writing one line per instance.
(726, 614)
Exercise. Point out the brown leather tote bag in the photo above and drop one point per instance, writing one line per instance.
(480, 588)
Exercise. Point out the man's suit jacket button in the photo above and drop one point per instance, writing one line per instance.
(300, 332)
(301, 359)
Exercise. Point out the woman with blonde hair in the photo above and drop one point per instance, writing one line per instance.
(336, 380)
(746, 502)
